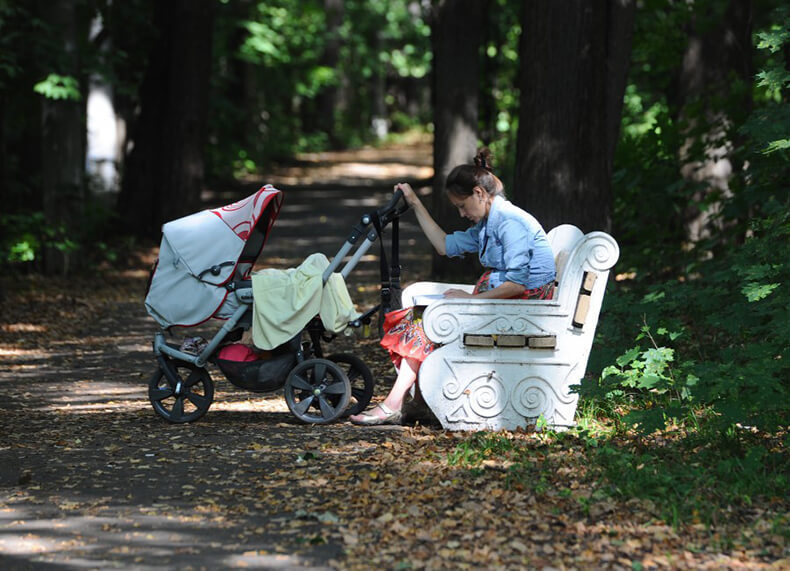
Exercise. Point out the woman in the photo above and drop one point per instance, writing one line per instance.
(510, 242)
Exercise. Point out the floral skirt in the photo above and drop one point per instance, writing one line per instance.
(404, 336)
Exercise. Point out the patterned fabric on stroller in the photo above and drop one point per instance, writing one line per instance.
(203, 273)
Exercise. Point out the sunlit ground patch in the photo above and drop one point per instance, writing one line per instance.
(14, 352)
(23, 328)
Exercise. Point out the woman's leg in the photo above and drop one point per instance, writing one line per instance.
(394, 401)
(404, 381)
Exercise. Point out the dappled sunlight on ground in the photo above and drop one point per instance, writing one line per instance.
(91, 477)
(411, 161)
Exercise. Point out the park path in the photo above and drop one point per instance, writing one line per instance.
(90, 477)
(325, 194)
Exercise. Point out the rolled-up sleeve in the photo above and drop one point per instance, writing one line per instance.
(518, 247)
(460, 243)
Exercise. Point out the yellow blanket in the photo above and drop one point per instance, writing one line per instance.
(286, 300)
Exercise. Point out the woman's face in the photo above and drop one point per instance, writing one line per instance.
(475, 207)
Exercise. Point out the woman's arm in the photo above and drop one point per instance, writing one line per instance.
(505, 290)
(429, 226)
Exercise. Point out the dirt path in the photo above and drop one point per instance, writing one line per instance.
(91, 478)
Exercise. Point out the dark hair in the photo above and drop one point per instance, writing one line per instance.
(463, 179)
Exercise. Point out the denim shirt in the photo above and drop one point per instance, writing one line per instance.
(510, 242)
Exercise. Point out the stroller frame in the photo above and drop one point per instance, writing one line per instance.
(317, 389)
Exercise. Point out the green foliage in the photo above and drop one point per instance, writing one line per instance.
(10, 66)
(713, 317)
(499, 98)
(683, 477)
(732, 355)
(644, 369)
(382, 47)
(479, 447)
(21, 239)
(694, 479)
(25, 236)
(59, 87)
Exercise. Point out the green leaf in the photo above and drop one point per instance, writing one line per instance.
(23, 251)
(755, 291)
(779, 145)
(628, 356)
(773, 40)
(59, 87)
(650, 381)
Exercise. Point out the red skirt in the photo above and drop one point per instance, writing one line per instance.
(404, 336)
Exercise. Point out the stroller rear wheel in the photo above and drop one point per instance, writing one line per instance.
(186, 399)
(317, 391)
(361, 380)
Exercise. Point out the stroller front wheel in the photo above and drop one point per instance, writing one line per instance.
(317, 391)
(185, 400)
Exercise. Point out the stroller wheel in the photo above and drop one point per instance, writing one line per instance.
(317, 391)
(361, 380)
(186, 400)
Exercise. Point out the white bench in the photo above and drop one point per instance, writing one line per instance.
(505, 363)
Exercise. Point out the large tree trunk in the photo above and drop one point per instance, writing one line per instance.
(457, 38)
(713, 100)
(327, 98)
(164, 170)
(63, 148)
(574, 61)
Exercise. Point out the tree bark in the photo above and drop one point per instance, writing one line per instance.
(164, 169)
(327, 98)
(457, 39)
(574, 61)
(63, 148)
(713, 101)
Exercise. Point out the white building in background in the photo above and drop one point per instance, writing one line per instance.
(103, 149)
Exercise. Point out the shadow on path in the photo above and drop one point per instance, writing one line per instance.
(90, 477)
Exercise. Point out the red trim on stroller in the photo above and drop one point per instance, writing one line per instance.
(242, 218)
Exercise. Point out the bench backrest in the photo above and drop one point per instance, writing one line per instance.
(563, 240)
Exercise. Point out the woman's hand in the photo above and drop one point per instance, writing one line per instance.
(429, 226)
(458, 294)
(408, 194)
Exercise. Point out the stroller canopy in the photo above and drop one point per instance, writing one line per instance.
(201, 253)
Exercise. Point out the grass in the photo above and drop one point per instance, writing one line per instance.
(686, 477)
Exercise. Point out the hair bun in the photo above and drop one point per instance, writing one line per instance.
(483, 159)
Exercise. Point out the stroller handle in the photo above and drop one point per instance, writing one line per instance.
(391, 210)
(382, 217)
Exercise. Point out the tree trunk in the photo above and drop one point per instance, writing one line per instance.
(574, 61)
(714, 98)
(63, 148)
(457, 38)
(5, 200)
(164, 169)
(327, 98)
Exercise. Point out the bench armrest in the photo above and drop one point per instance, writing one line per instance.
(448, 319)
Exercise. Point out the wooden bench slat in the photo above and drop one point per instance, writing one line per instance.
(474, 340)
(511, 341)
(543, 342)
(589, 281)
(582, 307)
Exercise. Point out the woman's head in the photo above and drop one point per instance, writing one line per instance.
(463, 179)
(472, 188)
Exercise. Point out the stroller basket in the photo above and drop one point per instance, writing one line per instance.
(262, 375)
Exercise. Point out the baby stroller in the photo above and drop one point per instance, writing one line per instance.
(204, 272)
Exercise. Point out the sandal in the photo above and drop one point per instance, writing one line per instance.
(371, 419)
